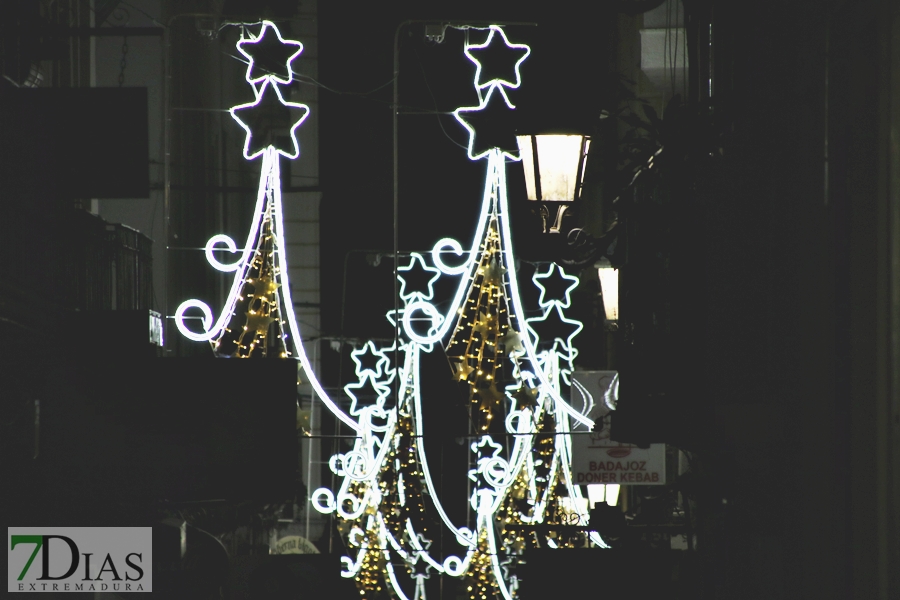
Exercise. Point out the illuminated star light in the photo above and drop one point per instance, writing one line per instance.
(512, 153)
(555, 277)
(366, 356)
(268, 198)
(494, 465)
(411, 268)
(251, 109)
(486, 447)
(553, 315)
(269, 37)
(380, 391)
(475, 50)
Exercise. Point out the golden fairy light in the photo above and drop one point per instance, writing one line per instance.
(480, 581)
(478, 346)
(256, 328)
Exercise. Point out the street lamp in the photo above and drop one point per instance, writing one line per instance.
(554, 172)
(609, 289)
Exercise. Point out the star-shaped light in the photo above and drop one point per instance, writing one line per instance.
(554, 330)
(417, 272)
(491, 468)
(390, 353)
(511, 343)
(366, 390)
(486, 448)
(556, 286)
(523, 396)
(419, 563)
(423, 543)
(266, 115)
(370, 361)
(497, 61)
(264, 286)
(460, 367)
(269, 55)
(259, 323)
(508, 565)
(494, 124)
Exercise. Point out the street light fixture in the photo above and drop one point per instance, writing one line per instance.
(609, 289)
(554, 172)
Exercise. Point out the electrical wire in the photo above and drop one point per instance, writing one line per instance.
(307, 79)
(434, 100)
(314, 81)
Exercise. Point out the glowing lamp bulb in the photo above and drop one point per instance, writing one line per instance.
(609, 288)
(554, 165)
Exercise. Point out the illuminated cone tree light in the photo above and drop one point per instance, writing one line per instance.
(516, 371)
(258, 316)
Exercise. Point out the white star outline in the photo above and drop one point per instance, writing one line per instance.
(489, 445)
(566, 348)
(543, 302)
(411, 296)
(259, 94)
(505, 567)
(421, 553)
(497, 81)
(256, 40)
(487, 450)
(489, 459)
(471, 130)
(381, 365)
(382, 391)
(419, 302)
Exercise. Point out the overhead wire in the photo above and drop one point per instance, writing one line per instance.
(434, 100)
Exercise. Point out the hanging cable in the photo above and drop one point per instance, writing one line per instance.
(124, 62)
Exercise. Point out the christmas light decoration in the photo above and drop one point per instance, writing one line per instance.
(267, 42)
(516, 376)
(564, 281)
(418, 262)
(469, 116)
(516, 372)
(495, 37)
(258, 316)
(268, 95)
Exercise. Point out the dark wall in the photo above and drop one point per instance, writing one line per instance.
(795, 355)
